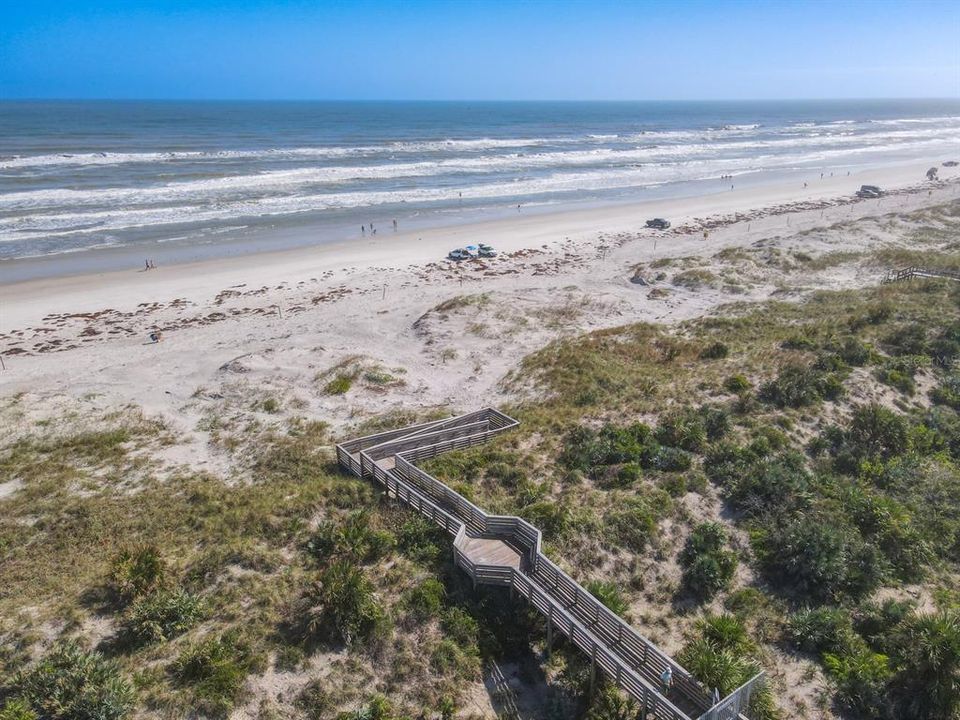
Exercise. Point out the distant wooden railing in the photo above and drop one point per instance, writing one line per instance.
(633, 662)
(917, 271)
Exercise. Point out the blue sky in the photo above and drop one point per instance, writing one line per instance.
(472, 50)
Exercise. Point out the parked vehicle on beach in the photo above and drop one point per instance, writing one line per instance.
(658, 224)
(459, 254)
(487, 251)
(869, 191)
(950, 163)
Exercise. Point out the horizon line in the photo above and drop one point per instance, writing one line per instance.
(481, 100)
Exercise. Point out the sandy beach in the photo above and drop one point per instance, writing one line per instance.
(279, 322)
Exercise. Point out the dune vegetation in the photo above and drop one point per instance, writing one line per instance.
(775, 486)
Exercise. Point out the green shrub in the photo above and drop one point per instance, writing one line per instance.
(450, 659)
(874, 622)
(755, 481)
(716, 667)
(675, 484)
(694, 278)
(947, 392)
(897, 379)
(609, 594)
(378, 708)
(17, 709)
(682, 429)
(945, 348)
(343, 605)
(726, 631)
(626, 475)
(715, 351)
(908, 339)
(586, 449)
(822, 630)
(270, 405)
(873, 433)
(420, 540)
(670, 459)
(607, 703)
(508, 474)
(708, 566)
(861, 680)
(799, 342)
(737, 384)
(425, 600)
(889, 525)
(722, 656)
(215, 669)
(137, 571)
(552, 518)
(899, 372)
(798, 386)
(821, 557)
(945, 422)
(852, 351)
(339, 385)
(163, 614)
(632, 522)
(926, 651)
(355, 538)
(460, 626)
(716, 422)
(70, 683)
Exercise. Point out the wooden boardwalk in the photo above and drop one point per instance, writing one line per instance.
(916, 271)
(503, 550)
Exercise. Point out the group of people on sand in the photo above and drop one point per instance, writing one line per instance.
(373, 230)
(148, 265)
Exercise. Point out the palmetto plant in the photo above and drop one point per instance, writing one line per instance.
(927, 650)
(70, 682)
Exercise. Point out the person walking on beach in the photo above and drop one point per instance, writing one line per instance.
(363, 230)
(394, 224)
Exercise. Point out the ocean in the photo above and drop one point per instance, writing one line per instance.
(178, 181)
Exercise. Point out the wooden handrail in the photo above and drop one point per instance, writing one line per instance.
(633, 662)
(916, 271)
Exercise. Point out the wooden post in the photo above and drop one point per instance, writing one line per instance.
(593, 669)
(550, 633)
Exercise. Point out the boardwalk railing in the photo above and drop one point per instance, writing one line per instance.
(916, 271)
(736, 703)
(633, 662)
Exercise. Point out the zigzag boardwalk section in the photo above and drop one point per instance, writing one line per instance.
(506, 551)
(916, 271)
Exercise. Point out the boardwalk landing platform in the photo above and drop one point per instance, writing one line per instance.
(502, 550)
